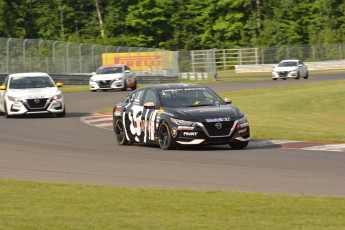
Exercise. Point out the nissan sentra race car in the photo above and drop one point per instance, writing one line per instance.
(173, 115)
(31, 93)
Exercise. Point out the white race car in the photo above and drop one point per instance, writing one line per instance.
(290, 69)
(113, 77)
(31, 93)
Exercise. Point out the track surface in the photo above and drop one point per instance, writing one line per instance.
(67, 150)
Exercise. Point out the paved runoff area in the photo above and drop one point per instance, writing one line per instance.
(106, 122)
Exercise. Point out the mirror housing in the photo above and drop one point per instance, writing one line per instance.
(227, 100)
(59, 84)
(2, 87)
(149, 105)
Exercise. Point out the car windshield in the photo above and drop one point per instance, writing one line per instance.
(287, 63)
(30, 82)
(109, 70)
(189, 97)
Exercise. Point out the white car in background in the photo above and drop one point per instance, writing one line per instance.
(290, 69)
(109, 77)
(31, 93)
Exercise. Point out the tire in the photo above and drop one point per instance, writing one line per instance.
(93, 91)
(5, 112)
(135, 86)
(124, 88)
(284, 79)
(274, 79)
(164, 137)
(238, 144)
(120, 134)
(306, 75)
(62, 114)
(297, 77)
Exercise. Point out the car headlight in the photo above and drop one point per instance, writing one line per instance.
(91, 80)
(13, 98)
(119, 78)
(243, 120)
(58, 96)
(182, 122)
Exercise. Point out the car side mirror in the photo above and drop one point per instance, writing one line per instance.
(127, 71)
(149, 105)
(2, 87)
(93, 73)
(59, 84)
(227, 100)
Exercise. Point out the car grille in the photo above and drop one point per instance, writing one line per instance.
(36, 103)
(282, 73)
(104, 84)
(214, 131)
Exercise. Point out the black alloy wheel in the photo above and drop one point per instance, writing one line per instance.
(164, 137)
(120, 133)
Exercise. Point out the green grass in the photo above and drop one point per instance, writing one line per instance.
(74, 88)
(313, 112)
(33, 205)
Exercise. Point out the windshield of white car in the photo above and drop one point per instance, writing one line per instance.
(189, 97)
(287, 64)
(30, 82)
(109, 70)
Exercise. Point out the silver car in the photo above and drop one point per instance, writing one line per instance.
(109, 77)
(290, 69)
(31, 93)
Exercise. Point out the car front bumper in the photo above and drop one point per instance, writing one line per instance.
(106, 85)
(203, 134)
(38, 107)
(284, 74)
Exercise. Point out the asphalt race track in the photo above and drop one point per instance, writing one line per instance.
(68, 150)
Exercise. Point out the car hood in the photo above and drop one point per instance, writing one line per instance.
(205, 113)
(110, 76)
(34, 93)
(287, 68)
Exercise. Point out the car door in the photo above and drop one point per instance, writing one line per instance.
(303, 68)
(129, 75)
(150, 104)
(132, 116)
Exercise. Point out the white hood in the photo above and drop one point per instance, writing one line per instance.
(285, 68)
(34, 92)
(110, 76)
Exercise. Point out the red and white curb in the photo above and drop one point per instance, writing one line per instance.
(106, 122)
(99, 120)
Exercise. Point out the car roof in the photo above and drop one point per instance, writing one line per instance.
(292, 60)
(112, 65)
(173, 86)
(29, 74)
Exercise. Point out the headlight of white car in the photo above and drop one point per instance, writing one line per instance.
(182, 122)
(58, 96)
(13, 98)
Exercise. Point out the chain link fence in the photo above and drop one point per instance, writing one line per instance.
(56, 57)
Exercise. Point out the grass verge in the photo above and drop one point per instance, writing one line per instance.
(313, 112)
(33, 205)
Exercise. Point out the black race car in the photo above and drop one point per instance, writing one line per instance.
(173, 115)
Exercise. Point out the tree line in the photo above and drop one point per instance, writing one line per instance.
(176, 24)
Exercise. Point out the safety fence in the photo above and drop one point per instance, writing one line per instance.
(68, 58)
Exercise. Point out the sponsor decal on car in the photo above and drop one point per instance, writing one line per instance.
(190, 134)
(174, 132)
